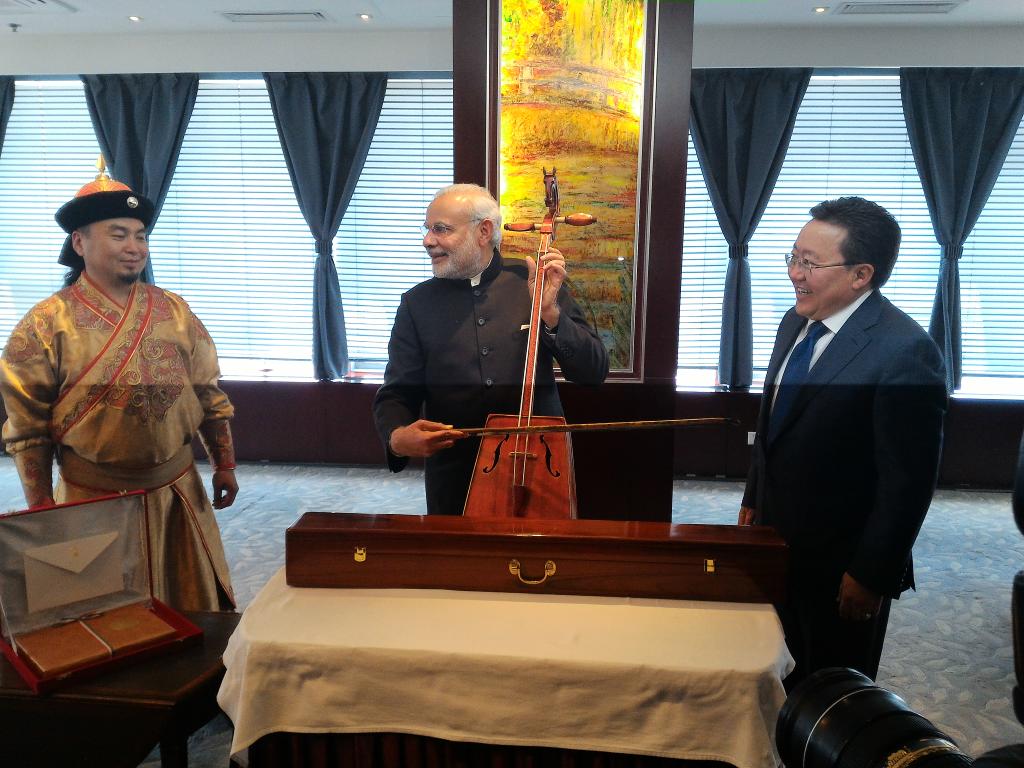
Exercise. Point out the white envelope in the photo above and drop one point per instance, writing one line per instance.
(73, 570)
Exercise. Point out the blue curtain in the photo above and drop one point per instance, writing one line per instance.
(961, 123)
(140, 122)
(6, 105)
(326, 121)
(741, 121)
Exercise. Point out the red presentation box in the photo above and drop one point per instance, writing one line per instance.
(76, 591)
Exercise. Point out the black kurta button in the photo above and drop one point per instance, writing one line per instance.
(480, 321)
(476, 291)
(489, 382)
(485, 351)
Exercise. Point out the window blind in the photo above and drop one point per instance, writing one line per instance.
(992, 287)
(258, 248)
(705, 259)
(379, 248)
(48, 153)
(231, 239)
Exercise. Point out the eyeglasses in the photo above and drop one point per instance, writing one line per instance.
(802, 264)
(440, 229)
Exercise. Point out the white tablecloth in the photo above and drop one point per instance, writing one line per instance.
(681, 679)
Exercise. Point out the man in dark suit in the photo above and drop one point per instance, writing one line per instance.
(848, 439)
(458, 346)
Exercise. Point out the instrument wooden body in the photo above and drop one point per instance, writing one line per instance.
(548, 489)
(521, 474)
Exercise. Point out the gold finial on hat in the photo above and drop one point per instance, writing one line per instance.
(102, 182)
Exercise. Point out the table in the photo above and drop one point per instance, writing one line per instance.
(116, 718)
(673, 679)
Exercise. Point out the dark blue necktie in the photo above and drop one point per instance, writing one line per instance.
(796, 373)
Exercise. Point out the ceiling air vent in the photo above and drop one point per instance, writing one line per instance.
(35, 6)
(278, 17)
(868, 7)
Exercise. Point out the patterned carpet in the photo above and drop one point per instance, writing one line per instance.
(949, 647)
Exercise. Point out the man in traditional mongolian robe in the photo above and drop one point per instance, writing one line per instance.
(114, 377)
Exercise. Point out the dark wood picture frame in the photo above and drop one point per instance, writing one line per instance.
(661, 178)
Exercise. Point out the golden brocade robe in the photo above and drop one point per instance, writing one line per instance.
(119, 392)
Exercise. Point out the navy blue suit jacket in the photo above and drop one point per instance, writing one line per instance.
(849, 478)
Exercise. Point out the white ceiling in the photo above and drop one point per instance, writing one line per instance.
(801, 13)
(175, 16)
(178, 16)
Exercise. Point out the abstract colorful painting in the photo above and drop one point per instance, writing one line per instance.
(572, 98)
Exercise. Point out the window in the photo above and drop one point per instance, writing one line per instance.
(379, 247)
(992, 286)
(231, 239)
(242, 255)
(850, 138)
(705, 259)
(48, 153)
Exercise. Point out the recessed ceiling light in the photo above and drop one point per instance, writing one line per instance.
(821, 9)
(134, 18)
(365, 16)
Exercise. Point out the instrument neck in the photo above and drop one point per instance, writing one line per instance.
(530, 367)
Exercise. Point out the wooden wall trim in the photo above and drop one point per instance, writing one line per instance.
(664, 194)
(332, 423)
(472, 72)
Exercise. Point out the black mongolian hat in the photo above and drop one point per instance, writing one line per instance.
(99, 200)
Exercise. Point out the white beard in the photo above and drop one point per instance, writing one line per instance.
(463, 262)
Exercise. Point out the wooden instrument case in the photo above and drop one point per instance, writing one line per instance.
(538, 556)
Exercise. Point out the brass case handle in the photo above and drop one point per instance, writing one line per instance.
(516, 570)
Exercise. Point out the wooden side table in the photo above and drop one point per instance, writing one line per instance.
(117, 718)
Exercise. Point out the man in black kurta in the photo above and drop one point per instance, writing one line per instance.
(458, 346)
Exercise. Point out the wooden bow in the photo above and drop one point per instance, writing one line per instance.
(598, 426)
